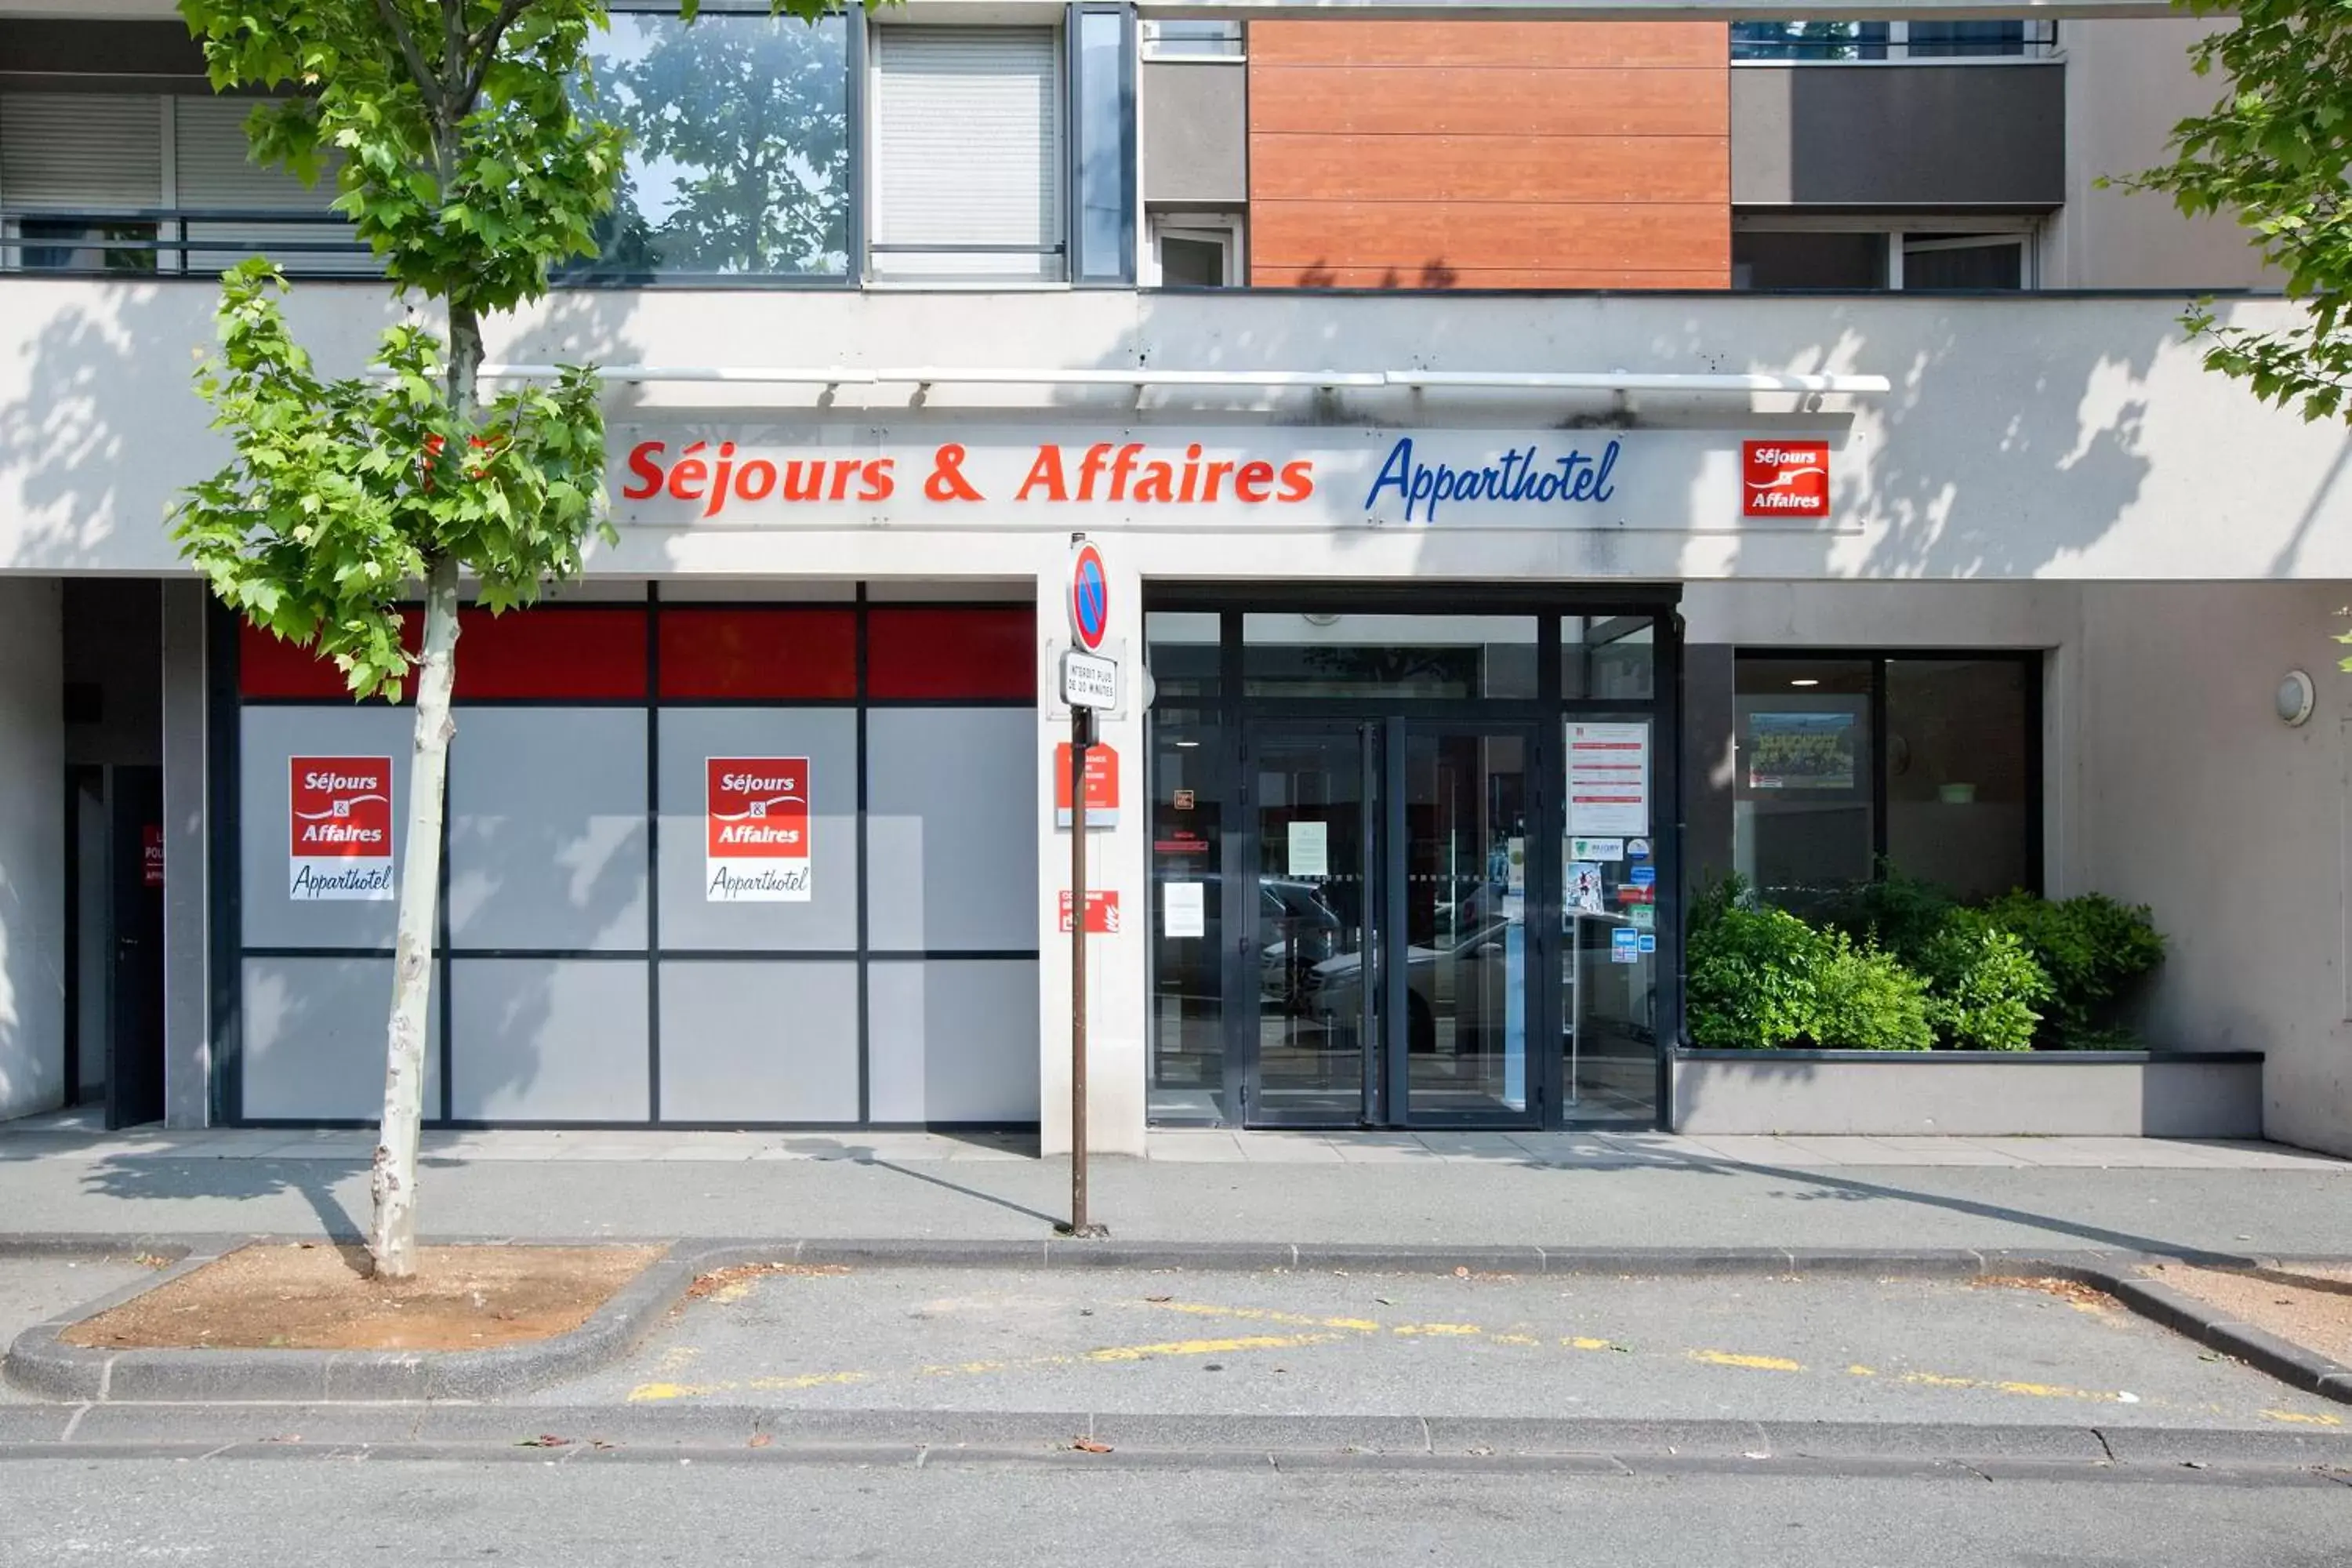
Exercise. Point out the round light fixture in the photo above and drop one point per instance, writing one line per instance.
(2295, 698)
(1320, 620)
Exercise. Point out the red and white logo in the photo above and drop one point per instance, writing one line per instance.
(1784, 478)
(338, 824)
(756, 819)
(1102, 911)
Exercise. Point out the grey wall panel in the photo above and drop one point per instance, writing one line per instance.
(547, 828)
(951, 828)
(1710, 733)
(828, 739)
(759, 1042)
(549, 1040)
(1898, 135)
(272, 737)
(314, 1033)
(1196, 132)
(952, 1040)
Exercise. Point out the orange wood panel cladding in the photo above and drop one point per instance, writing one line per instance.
(1490, 154)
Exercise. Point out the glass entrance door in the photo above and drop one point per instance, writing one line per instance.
(1389, 940)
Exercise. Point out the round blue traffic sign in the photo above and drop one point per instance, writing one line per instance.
(1089, 598)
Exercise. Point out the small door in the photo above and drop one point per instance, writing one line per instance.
(134, 1043)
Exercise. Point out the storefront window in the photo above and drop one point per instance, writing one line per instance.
(739, 145)
(1411, 657)
(1609, 657)
(1188, 1052)
(1926, 766)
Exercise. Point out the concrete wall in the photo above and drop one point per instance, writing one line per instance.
(1894, 1093)
(2037, 437)
(2128, 84)
(2197, 801)
(1898, 135)
(1196, 132)
(32, 850)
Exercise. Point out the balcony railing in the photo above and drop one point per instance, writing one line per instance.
(120, 242)
(1862, 43)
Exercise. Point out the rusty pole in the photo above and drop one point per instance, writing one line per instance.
(1081, 738)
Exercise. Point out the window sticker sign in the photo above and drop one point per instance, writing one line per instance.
(1609, 780)
(1102, 911)
(1102, 785)
(339, 822)
(756, 820)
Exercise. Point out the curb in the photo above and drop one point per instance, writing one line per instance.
(567, 1432)
(41, 1363)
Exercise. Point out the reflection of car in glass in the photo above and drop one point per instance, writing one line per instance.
(1297, 929)
(1463, 980)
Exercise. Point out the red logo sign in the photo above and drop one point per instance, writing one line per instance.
(340, 827)
(1784, 478)
(756, 820)
(1102, 911)
(1102, 785)
(151, 854)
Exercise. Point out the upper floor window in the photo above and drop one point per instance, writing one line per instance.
(739, 159)
(1858, 255)
(1841, 41)
(1192, 40)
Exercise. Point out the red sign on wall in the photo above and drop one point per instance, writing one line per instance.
(1784, 478)
(340, 829)
(756, 816)
(151, 854)
(1102, 786)
(1102, 911)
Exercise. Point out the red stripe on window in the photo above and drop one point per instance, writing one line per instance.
(267, 666)
(951, 653)
(551, 654)
(727, 652)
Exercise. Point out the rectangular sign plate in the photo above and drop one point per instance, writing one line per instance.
(1089, 680)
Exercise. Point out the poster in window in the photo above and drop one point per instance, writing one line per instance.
(340, 825)
(1812, 750)
(756, 821)
(1609, 780)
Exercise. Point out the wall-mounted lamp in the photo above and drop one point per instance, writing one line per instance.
(2295, 698)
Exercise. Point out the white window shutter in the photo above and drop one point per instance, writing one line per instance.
(968, 153)
(81, 151)
(213, 168)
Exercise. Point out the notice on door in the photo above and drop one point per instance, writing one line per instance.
(756, 816)
(1183, 910)
(1609, 780)
(340, 825)
(1310, 849)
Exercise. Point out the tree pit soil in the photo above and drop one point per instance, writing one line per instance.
(320, 1298)
(2316, 1318)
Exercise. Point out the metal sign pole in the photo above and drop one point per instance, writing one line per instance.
(1082, 724)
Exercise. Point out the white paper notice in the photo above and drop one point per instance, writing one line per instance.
(1183, 909)
(1310, 849)
(1609, 779)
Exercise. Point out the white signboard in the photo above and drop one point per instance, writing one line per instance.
(1183, 909)
(1609, 779)
(1310, 849)
(1088, 680)
(836, 476)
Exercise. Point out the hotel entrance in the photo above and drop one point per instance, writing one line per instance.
(1412, 868)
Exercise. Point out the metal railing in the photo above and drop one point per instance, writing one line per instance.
(1798, 42)
(117, 242)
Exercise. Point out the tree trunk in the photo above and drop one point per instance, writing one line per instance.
(393, 1239)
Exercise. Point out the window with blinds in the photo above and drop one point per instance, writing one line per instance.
(70, 165)
(969, 154)
(214, 171)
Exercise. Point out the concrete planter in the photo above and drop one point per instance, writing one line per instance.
(2109, 1094)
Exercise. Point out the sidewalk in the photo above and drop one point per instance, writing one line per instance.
(1565, 1190)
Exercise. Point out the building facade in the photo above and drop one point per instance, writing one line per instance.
(1541, 466)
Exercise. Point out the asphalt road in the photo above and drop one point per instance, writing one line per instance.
(289, 1513)
(1279, 1342)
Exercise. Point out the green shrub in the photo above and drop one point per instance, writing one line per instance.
(1865, 999)
(1749, 974)
(1983, 985)
(2093, 949)
(1900, 913)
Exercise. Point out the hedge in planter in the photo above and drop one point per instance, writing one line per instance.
(1762, 978)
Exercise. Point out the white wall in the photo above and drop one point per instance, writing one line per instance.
(2197, 801)
(2127, 85)
(2036, 437)
(31, 849)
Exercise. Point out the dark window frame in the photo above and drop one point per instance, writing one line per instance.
(2034, 664)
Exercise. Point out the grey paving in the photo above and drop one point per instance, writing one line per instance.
(590, 1513)
(1488, 1347)
(62, 1182)
(34, 1289)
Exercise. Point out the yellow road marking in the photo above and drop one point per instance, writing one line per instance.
(1514, 1339)
(1583, 1343)
(1268, 1315)
(646, 1392)
(2027, 1390)
(1858, 1369)
(2299, 1418)
(1755, 1363)
(1207, 1347)
(808, 1380)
